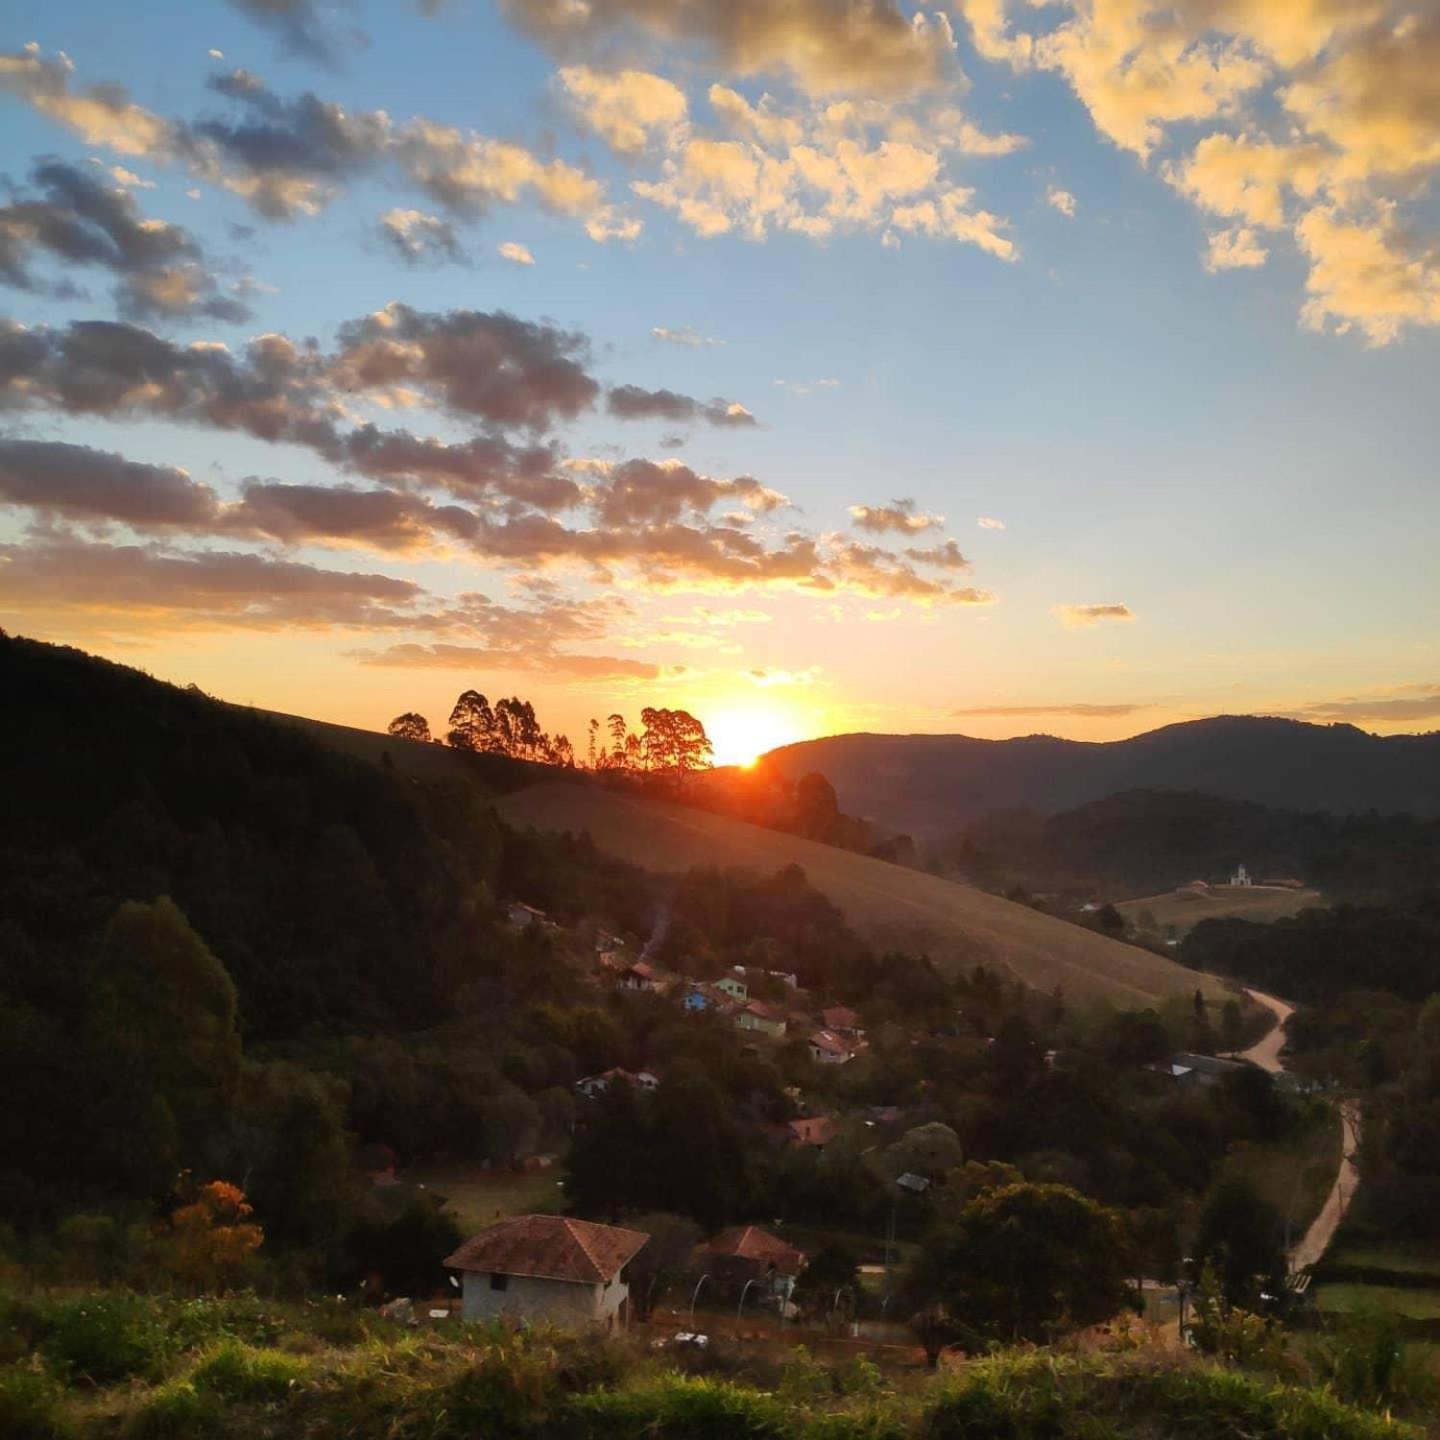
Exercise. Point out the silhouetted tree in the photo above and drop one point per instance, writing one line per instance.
(409, 726)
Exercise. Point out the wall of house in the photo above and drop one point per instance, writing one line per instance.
(561, 1302)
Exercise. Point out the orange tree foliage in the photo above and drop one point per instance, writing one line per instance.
(213, 1236)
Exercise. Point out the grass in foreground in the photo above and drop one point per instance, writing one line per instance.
(118, 1365)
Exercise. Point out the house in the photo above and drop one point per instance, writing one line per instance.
(827, 1048)
(841, 1019)
(642, 975)
(1207, 1069)
(1179, 1074)
(766, 1019)
(593, 1086)
(788, 978)
(547, 1268)
(1241, 877)
(814, 1132)
(746, 1252)
(734, 987)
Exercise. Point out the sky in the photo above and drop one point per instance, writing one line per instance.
(814, 365)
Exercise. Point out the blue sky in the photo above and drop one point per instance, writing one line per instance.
(1177, 333)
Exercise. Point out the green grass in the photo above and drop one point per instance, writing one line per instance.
(958, 926)
(1409, 1301)
(1400, 1259)
(479, 1197)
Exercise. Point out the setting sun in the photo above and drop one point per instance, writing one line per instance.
(741, 736)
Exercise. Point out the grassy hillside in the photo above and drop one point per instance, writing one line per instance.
(1182, 910)
(887, 903)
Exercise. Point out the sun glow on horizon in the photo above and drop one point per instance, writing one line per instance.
(742, 734)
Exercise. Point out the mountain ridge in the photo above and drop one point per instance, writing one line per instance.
(930, 784)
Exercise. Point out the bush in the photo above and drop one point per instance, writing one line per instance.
(240, 1372)
(30, 1407)
(177, 1411)
(100, 1339)
(676, 1408)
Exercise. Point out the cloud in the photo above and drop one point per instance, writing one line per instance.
(1398, 705)
(768, 678)
(1077, 617)
(945, 556)
(642, 492)
(288, 158)
(515, 253)
(633, 402)
(806, 387)
(687, 336)
(870, 46)
(1316, 120)
(297, 24)
(418, 238)
(1235, 249)
(628, 109)
(899, 517)
(1061, 200)
(825, 169)
(74, 481)
(77, 220)
(156, 588)
(1084, 712)
(411, 656)
(989, 522)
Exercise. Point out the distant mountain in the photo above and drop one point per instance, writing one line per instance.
(934, 784)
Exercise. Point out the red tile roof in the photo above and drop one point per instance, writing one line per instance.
(550, 1247)
(839, 1017)
(815, 1130)
(750, 1242)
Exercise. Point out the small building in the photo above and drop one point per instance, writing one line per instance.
(734, 987)
(642, 975)
(841, 1019)
(746, 1252)
(765, 1019)
(787, 978)
(593, 1086)
(827, 1048)
(547, 1268)
(1241, 876)
(1206, 1069)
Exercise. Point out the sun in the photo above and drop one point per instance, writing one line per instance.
(742, 735)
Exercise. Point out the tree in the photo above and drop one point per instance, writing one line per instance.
(931, 1150)
(619, 741)
(936, 1330)
(409, 726)
(664, 1258)
(1022, 1262)
(832, 1269)
(472, 723)
(212, 1237)
(1241, 1237)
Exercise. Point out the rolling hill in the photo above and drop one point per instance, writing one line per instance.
(1182, 910)
(887, 903)
(933, 784)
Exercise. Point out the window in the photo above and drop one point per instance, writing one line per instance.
(499, 1282)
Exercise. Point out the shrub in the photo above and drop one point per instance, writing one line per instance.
(30, 1406)
(100, 1339)
(240, 1372)
(678, 1408)
(177, 1411)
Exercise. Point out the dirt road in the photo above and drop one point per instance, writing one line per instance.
(1266, 1054)
(1337, 1202)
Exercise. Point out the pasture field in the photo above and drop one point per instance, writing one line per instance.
(479, 1197)
(891, 905)
(1408, 1301)
(1181, 911)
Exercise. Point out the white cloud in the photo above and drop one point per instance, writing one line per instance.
(989, 522)
(806, 387)
(516, 253)
(686, 335)
(1235, 249)
(1061, 200)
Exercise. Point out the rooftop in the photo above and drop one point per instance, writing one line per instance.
(550, 1247)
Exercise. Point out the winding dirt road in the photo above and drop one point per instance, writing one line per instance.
(1316, 1240)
